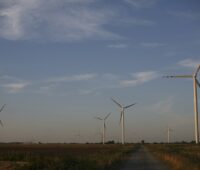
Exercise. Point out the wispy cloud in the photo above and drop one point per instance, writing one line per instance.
(46, 88)
(72, 78)
(126, 20)
(7, 78)
(185, 15)
(13, 84)
(15, 87)
(139, 78)
(140, 22)
(118, 46)
(192, 63)
(163, 106)
(57, 20)
(95, 83)
(142, 3)
(152, 44)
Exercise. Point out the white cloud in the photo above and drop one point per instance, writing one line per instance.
(46, 89)
(86, 92)
(152, 44)
(140, 22)
(185, 14)
(163, 106)
(8, 78)
(142, 3)
(13, 84)
(126, 20)
(189, 63)
(15, 87)
(73, 78)
(140, 78)
(117, 45)
(56, 20)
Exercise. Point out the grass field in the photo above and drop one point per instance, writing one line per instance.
(62, 156)
(178, 156)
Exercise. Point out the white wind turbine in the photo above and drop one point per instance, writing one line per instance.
(104, 126)
(1, 111)
(122, 109)
(168, 134)
(195, 83)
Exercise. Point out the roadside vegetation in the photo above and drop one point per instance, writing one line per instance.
(63, 156)
(178, 156)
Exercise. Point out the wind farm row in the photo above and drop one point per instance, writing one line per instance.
(122, 112)
(122, 109)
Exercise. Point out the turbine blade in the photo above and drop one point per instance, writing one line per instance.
(178, 76)
(2, 107)
(198, 68)
(107, 116)
(1, 123)
(116, 102)
(104, 125)
(129, 105)
(98, 118)
(198, 83)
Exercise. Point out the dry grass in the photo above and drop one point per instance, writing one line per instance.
(62, 156)
(178, 156)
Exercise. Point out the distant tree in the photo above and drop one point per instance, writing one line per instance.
(110, 142)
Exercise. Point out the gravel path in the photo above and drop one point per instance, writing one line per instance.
(142, 159)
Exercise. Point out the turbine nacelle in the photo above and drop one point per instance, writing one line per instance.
(99, 118)
(121, 106)
(197, 70)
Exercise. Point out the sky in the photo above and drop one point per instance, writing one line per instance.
(62, 60)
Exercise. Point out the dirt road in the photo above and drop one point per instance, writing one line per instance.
(142, 159)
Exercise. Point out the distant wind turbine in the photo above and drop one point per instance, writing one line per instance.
(78, 136)
(122, 109)
(1, 111)
(168, 134)
(195, 84)
(99, 133)
(104, 126)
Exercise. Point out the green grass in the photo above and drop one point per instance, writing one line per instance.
(178, 156)
(64, 156)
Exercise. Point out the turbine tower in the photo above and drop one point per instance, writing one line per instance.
(195, 83)
(122, 109)
(168, 134)
(104, 126)
(1, 111)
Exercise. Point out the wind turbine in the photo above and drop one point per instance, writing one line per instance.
(122, 109)
(195, 83)
(1, 111)
(168, 134)
(100, 134)
(104, 126)
(78, 136)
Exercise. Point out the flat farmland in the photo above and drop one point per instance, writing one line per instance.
(62, 156)
(178, 156)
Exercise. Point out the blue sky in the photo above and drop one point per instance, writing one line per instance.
(62, 60)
